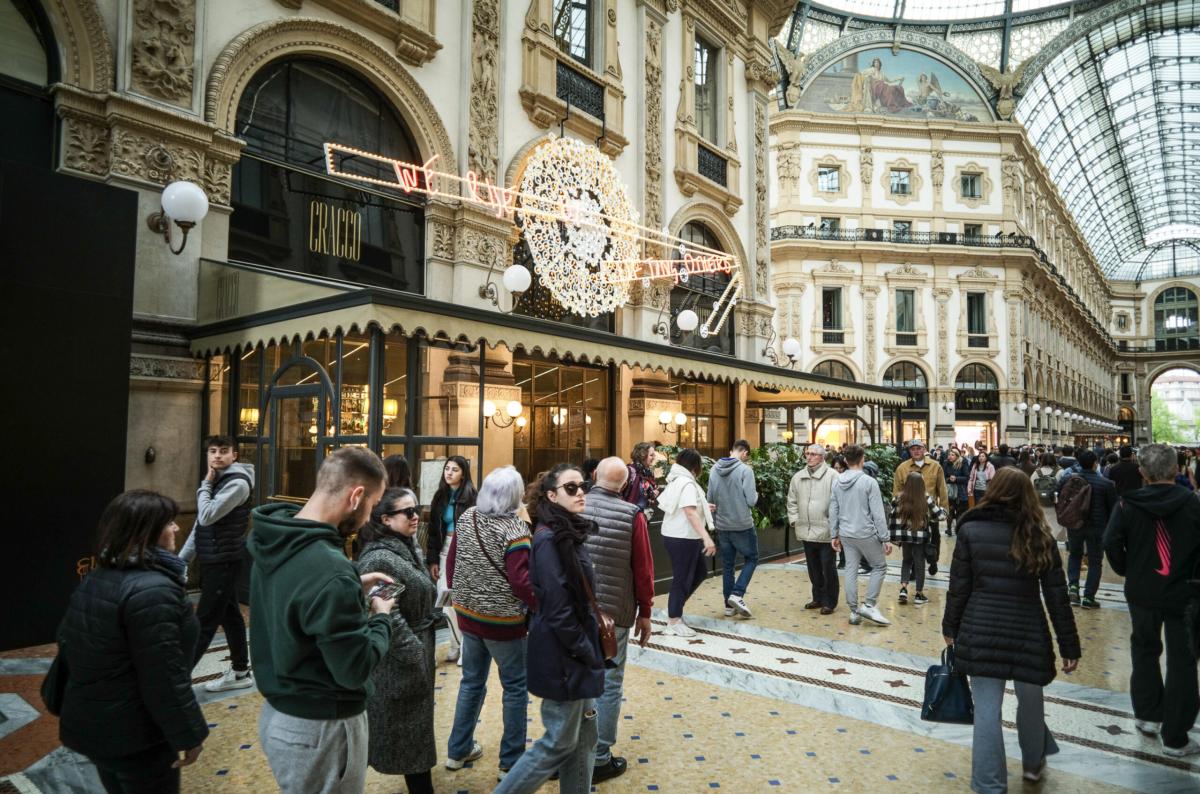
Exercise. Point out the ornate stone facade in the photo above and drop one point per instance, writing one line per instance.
(163, 49)
(484, 135)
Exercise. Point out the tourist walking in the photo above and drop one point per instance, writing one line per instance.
(400, 710)
(808, 499)
(566, 666)
(733, 492)
(128, 639)
(218, 543)
(858, 525)
(1152, 541)
(1088, 536)
(454, 496)
(620, 552)
(914, 519)
(1006, 564)
(488, 571)
(315, 642)
(641, 485)
(687, 528)
(982, 473)
(958, 474)
(1125, 474)
(930, 471)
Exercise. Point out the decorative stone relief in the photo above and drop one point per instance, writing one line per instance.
(166, 367)
(483, 146)
(485, 249)
(443, 240)
(87, 147)
(942, 295)
(652, 198)
(217, 180)
(140, 157)
(787, 168)
(869, 293)
(937, 168)
(866, 165)
(762, 248)
(163, 45)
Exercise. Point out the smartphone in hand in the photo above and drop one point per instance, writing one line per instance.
(385, 590)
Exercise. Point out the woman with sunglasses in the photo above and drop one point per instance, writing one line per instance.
(687, 529)
(454, 496)
(400, 712)
(565, 665)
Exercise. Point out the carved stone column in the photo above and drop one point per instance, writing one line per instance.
(483, 145)
(869, 292)
(942, 296)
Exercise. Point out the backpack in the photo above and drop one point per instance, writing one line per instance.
(1074, 502)
(1046, 486)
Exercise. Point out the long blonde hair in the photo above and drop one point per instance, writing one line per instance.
(912, 507)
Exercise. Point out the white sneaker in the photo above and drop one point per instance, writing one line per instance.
(1191, 748)
(680, 629)
(1148, 728)
(230, 681)
(739, 606)
(728, 612)
(855, 619)
(453, 654)
(458, 763)
(873, 614)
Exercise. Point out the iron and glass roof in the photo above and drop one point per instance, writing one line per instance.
(940, 10)
(1116, 120)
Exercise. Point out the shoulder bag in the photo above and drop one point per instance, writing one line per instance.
(947, 693)
(608, 628)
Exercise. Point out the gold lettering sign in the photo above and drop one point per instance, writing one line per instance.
(334, 231)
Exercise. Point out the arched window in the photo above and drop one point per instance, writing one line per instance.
(833, 369)
(288, 214)
(699, 294)
(913, 419)
(976, 389)
(28, 64)
(1175, 320)
(908, 376)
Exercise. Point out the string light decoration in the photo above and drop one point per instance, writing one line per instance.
(722, 307)
(580, 256)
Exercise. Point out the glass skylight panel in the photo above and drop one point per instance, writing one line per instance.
(1020, 6)
(952, 9)
(866, 8)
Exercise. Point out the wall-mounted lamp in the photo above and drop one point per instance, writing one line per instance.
(183, 203)
(248, 418)
(1022, 407)
(1035, 407)
(391, 409)
(558, 418)
(492, 415)
(947, 407)
(787, 436)
(685, 321)
(1058, 412)
(516, 279)
(672, 423)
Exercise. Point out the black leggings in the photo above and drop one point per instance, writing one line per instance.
(419, 783)
(913, 565)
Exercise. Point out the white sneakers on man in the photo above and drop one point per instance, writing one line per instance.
(231, 680)
(739, 606)
(1191, 748)
(454, 764)
(1148, 728)
(872, 613)
(680, 629)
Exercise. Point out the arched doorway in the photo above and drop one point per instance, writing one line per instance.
(835, 427)
(976, 406)
(287, 214)
(1126, 418)
(914, 417)
(1176, 325)
(1175, 406)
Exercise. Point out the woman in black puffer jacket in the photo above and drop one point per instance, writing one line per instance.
(128, 639)
(1005, 563)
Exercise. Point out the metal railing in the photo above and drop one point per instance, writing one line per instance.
(579, 91)
(711, 165)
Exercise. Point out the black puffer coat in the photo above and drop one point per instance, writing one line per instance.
(129, 637)
(994, 610)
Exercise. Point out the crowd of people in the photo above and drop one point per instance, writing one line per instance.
(552, 579)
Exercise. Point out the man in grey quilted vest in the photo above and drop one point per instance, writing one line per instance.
(620, 552)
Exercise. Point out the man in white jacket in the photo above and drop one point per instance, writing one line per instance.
(857, 523)
(808, 513)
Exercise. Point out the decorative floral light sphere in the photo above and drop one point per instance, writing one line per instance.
(579, 225)
(687, 320)
(517, 278)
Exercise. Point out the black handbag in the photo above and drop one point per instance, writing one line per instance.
(947, 693)
(54, 685)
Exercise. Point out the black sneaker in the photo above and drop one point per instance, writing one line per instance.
(1089, 603)
(920, 599)
(903, 595)
(615, 767)
(1073, 594)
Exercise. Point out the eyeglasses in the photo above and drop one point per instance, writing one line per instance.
(573, 488)
(409, 512)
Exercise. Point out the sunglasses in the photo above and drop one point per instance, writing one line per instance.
(408, 512)
(573, 488)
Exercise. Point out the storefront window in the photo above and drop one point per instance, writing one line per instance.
(976, 389)
(914, 417)
(707, 406)
(219, 370)
(395, 385)
(699, 294)
(567, 408)
(354, 411)
(448, 399)
(287, 214)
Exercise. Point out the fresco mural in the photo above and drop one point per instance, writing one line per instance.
(909, 84)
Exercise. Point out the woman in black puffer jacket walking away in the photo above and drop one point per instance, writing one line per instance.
(128, 639)
(1005, 563)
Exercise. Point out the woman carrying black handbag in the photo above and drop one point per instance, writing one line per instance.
(1005, 563)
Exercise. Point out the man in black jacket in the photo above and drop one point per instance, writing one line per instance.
(1125, 474)
(1002, 459)
(1089, 536)
(1153, 542)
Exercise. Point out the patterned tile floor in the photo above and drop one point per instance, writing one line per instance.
(726, 718)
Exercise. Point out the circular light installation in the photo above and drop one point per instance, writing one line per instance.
(578, 255)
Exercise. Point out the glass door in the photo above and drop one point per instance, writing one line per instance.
(299, 421)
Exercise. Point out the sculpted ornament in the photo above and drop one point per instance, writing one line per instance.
(87, 147)
(164, 35)
(793, 64)
(483, 145)
(1004, 83)
(866, 165)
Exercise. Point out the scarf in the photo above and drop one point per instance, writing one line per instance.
(170, 561)
(570, 530)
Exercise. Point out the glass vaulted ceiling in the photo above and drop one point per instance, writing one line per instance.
(940, 10)
(1116, 119)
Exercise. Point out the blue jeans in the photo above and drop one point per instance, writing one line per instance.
(477, 656)
(1077, 540)
(745, 543)
(608, 705)
(569, 746)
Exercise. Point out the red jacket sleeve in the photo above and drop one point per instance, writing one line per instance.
(643, 566)
(516, 564)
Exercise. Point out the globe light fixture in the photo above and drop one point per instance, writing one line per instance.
(1035, 408)
(791, 348)
(183, 204)
(492, 414)
(1022, 407)
(687, 320)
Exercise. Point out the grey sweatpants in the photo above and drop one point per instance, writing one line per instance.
(989, 767)
(314, 755)
(871, 550)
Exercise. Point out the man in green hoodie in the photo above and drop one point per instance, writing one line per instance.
(314, 640)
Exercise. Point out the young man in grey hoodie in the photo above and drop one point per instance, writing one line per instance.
(857, 524)
(733, 491)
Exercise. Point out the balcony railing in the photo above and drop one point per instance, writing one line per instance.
(1181, 345)
(977, 341)
(906, 339)
(579, 91)
(711, 165)
(833, 337)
